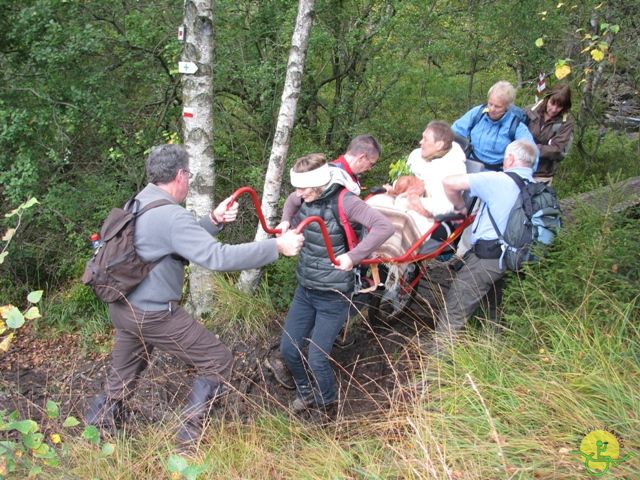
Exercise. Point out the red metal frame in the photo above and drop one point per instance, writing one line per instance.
(408, 257)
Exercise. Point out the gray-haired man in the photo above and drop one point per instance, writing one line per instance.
(151, 317)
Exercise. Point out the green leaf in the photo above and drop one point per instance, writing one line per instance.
(32, 440)
(35, 471)
(32, 313)
(614, 28)
(12, 213)
(43, 451)
(107, 449)
(14, 317)
(23, 426)
(53, 461)
(53, 410)
(2, 256)
(539, 42)
(91, 434)
(6, 447)
(70, 422)
(28, 204)
(35, 296)
(176, 463)
(192, 471)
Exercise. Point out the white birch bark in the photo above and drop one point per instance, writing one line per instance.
(197, 93)
(249, 279)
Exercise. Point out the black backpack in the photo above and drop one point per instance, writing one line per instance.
(533, 220)
(115, 269)
(519, 116)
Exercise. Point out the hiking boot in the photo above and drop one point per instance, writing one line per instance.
(301, 404)
(203, 392)
(345, 342)
(455, 263)
(280, 372)
(106, 414)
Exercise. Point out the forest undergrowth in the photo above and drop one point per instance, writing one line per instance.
(513, 403)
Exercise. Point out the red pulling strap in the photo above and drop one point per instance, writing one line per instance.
(256, 204)
(408, 257)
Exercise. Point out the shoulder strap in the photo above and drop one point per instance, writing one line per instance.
(495, 225)
(526, 196)
(350, 234)
(526, 200)
(477, 117)
(515, 121)
(133, 204)
(556, 126)
(149, 206)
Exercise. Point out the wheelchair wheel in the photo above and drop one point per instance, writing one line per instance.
(389, 303)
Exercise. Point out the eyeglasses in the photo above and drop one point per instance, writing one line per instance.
(370, 161)
(188, 173)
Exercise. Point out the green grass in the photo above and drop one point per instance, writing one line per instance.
(78, 310)
(514, 405)
(240, 315)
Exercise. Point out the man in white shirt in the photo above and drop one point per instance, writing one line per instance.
(438, 157)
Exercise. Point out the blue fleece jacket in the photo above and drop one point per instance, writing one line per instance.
(490, 138)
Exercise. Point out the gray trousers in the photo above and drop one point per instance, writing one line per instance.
(473, 281)
(137, 333)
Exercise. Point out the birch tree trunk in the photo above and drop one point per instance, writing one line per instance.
(249, 279)
(197, 92)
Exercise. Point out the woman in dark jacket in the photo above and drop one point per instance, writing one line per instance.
(551, 124)
(321, 301)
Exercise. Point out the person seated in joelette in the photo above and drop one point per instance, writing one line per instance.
(405, 196)
(490, 135)
(438, 157)
(421, 196)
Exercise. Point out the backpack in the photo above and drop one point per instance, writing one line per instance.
(533, 220)
(519, 116)
(115, 269)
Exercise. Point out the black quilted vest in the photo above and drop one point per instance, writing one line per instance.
(314, 269)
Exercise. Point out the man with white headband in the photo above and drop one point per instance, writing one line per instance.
(321, 302)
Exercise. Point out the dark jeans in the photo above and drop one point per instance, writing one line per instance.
(316, 316)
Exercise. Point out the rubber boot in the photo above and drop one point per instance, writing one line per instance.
(106, 414)
(203, 392)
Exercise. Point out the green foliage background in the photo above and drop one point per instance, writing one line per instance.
(89, 86)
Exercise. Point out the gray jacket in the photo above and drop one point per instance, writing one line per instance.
(171, 229)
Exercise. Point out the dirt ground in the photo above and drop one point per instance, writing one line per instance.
(39, 369)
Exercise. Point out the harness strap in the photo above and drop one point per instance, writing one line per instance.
(350, 234)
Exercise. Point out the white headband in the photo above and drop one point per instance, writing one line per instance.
(313, 178)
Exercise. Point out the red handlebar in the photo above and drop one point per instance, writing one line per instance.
(409, 255)
(299, 228)
(256, 204)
